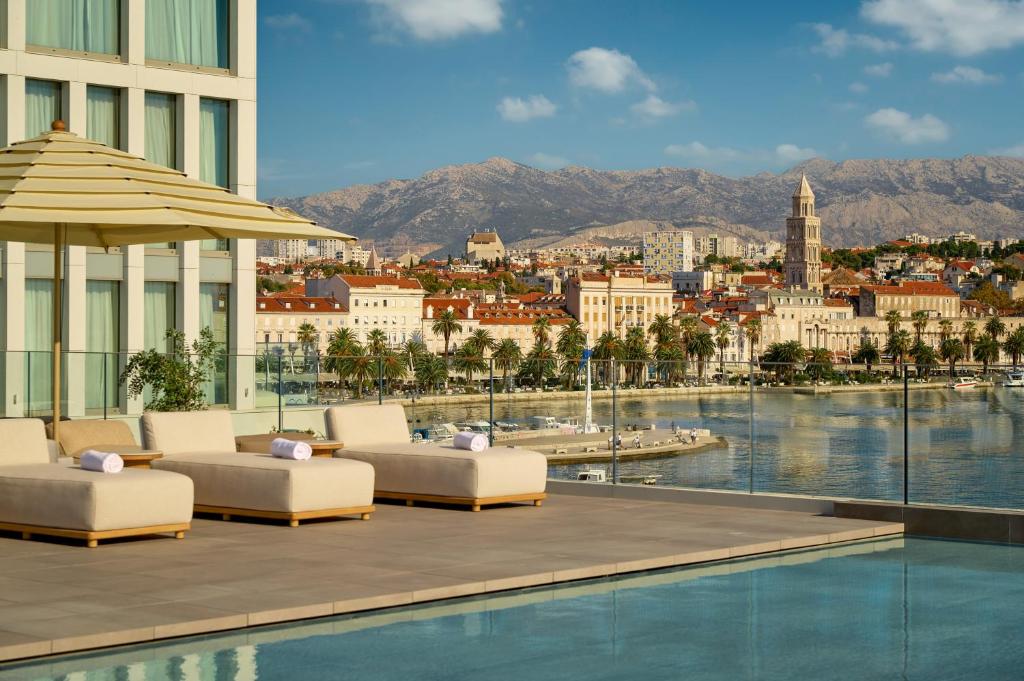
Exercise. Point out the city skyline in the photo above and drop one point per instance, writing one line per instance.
(656, 85)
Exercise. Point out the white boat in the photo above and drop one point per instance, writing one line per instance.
(639, 479)
(963, 383)
(474, 426)
(589, 474)
(1014, 379)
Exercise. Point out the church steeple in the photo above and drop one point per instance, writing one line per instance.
(803, 241)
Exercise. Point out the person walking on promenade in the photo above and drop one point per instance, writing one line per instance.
(693, 436)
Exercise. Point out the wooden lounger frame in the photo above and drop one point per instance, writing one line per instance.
(293, 517)
(475, 503)
(92, 537)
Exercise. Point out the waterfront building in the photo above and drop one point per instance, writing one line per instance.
(908, 297)
(668, 251)
(485, 245)
(176, 84)
(615, 303)
(391, 304)
(803, 241)
(278, 319)
(802, 315)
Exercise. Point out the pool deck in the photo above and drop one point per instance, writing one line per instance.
(60, 598)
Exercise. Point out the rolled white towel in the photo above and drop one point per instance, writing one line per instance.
(284, 448)
(474, 442)
(101, 462)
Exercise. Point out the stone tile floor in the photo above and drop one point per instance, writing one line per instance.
(57, 598)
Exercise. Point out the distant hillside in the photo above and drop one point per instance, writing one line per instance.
(860, 201)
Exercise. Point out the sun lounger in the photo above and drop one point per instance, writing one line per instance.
(201, 445)
(40, 497)
(80, 434)
(379, 435)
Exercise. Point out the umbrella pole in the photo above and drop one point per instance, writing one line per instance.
(58, 304)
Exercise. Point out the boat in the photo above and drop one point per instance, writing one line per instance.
(475, 426)
(639, 479)
(589, 474)
(963, 383)
(1014, 379)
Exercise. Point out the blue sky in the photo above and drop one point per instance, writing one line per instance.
(360, 91)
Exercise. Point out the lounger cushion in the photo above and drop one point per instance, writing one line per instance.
(80, 434)
(189, 432)
(247, 480)
(67, 497)
(23, 441)
(367, 424)
(442, 470)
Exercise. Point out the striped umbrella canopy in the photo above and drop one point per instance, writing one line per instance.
(62, 189)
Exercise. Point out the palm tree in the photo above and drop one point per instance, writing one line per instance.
(970, 335)
(662, 330)
(723, 336)
(945, 329)
(753, 329)
(539, 363)
(924, 358)
(572, 340)
(480, 341)
(358, 366)
(376, 342)
(308, 337)
(445, 325)
(607, 348)
(392, 366)
(340, 344)
(469, 361)
(688, 327)
(413, 349)
(671, 361)
(893, 319)
(701, 346)
(1014, 345)
(431, 371)
(867, 353)
(986, 351)
(819, 363)
(541, 330)
(919, 320)
(897, 347)
(507, 357)
(635, 354)
(784, 357)
(995, 327)
(951, 350)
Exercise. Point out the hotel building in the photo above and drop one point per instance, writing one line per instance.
(614, 303)
(172, 81)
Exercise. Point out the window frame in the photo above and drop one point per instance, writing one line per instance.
(197, 68)
(109, 57)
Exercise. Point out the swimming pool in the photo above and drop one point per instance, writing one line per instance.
(886, 609)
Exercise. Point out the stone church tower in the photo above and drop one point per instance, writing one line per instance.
(803, 242)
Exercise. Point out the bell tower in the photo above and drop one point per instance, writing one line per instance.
(803, 242)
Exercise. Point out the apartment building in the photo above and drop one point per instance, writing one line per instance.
(908, 297)
(279, 318)
(668, 252)
(484, 246)
(174, 82)
(615, 303)
(391, 304)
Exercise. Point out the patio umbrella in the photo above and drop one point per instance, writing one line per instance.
(62, 189)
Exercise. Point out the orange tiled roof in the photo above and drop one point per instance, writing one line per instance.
(366, 281)
(266, 304)
(912, 288)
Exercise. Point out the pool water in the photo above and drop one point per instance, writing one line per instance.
(888, 609)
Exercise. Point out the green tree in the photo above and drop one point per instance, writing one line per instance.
(431, 372)
(359, 367)
(893, 319)
(571, 342)
(176, 378)
(783, 358)
(507, 356)
(445, 325)
(1014, 345)
(951, 350)
(607, 348)
(897, 346)
(701, 347)
(340, 344)
(986, 351)
(919, 320)
(376, 342)
(867, 353)
(945, 329)
(541, 330)
(819, 363)
(925, 358)
(392, 365)
(970, 335)
(995, 327)
(635, 354)
(480, 342)
(413, 349)
(688, 328)
(753, 330)
(469, 361)
(723, 336)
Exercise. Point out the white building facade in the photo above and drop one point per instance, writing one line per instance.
(668, 252)
(144, 78)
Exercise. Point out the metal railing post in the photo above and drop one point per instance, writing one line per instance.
(750, 380)
(27, 407)
(615, 424)
(105, 386)
(906, 435)
(280, 394)
(380, 380)
(490, 428)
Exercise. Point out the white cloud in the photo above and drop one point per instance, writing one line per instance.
(962, 27)
(836, 41)
(606, 70)
(519, 110)
(548, 161)
(858, 88)
(902, 127)
(656, 107)
(695, 151)
(966, 75)
(438, 19)
(879, 70)
(791, 153)
(1015, 151)
(286, 22)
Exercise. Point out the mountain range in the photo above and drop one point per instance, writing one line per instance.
(861, 202)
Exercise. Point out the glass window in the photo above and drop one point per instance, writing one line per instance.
(103, 120)
(213, 145)
(159, 314)
(213, 313)
(43, 105)
(39, 344)
(102, 342)
(162, 129)
(79, 25)
(188, 32)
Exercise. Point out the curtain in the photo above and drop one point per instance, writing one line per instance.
(213, 313)
(38, 344)
(79, 25)
(159, 314)
(213, 149)
(102, 342)
(161, 129)
(188, 32)
(103, 115)
(42, 105)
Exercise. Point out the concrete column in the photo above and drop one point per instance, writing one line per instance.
(134, 123)
(76, 111)
(74, 329)
(12, 329)
(188, 139)
(133, 317)
(14, 109)
(16, 27)
(243, 38)
(133, 30)
(242, 320)
(187, 290)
